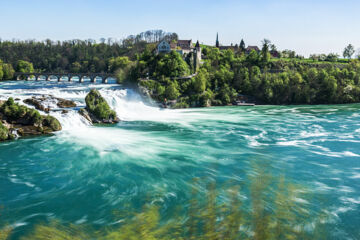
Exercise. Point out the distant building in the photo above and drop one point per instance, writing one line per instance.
(236, 47)
(181, 46)
(163, 47)
(250, 48)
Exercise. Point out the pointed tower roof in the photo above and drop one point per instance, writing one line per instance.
(197, 44)
(217, 40)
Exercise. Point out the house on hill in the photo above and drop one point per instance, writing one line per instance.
(181, 46)
(184, 48)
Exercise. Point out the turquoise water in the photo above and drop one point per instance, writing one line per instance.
(83, 173)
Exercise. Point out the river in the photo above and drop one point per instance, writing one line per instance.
(84, 173)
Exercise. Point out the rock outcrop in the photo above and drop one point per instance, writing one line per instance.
(24, 121)
(97, 109)
(63, 103)
(41, 103)
(37, 104)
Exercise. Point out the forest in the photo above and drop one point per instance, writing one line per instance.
(224, 77)
(227, 76)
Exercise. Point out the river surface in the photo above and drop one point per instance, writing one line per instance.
(84, 173)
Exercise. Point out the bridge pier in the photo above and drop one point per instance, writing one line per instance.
(48, 78)
(93, 79)
(105, 80)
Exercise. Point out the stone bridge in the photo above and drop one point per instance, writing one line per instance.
(61, 76)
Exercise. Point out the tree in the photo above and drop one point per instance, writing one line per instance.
(6, 71)
(118, 63)
(75, 67)
(349, 51)
(242, 46)
(253, 57)
(1, 71)
(171, 91)
(265, 55)
(24, 67)
(200, 81)
(171, 65)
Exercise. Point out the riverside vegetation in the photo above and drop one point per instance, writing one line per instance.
(223, 77)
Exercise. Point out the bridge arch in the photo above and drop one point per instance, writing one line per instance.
(97, 78)
(41, 77)
(83, 77)
(52, 77)
(63, 78)
(71, 77)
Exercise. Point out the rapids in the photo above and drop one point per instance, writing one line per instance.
(83, 173)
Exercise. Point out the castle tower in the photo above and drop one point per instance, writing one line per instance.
(197, 56)
(217, 40)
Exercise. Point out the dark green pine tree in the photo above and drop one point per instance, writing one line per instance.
(242, 45)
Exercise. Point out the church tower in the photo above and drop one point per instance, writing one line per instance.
(217, 40)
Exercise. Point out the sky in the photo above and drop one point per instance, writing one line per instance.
(317, 26)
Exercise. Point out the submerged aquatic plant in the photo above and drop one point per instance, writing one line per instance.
(275, 209)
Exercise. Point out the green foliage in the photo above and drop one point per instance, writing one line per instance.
(13, 112)
(24, 66)
(171, 91)
(5, 233)
(118, 63)
(52, 123)
(199, 82)
(56, 231)
(171, 65)
(98, 106)
(4, 133)
(349, 51)
(6, 71)
(1, 71)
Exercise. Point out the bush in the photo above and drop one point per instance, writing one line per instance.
(4, 132)
(13, 112)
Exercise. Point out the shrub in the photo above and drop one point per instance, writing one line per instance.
(4, 132)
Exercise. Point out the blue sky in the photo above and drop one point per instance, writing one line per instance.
(318, 26)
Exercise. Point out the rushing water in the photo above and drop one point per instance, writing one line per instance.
(83, 173)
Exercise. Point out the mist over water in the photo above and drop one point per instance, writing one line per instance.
(84, 173)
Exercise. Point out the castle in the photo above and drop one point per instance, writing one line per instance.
(184, 47)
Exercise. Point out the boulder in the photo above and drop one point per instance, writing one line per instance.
(63, 103)
(51, 123)
(38, 102)
(98, 110)
(83, 112)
